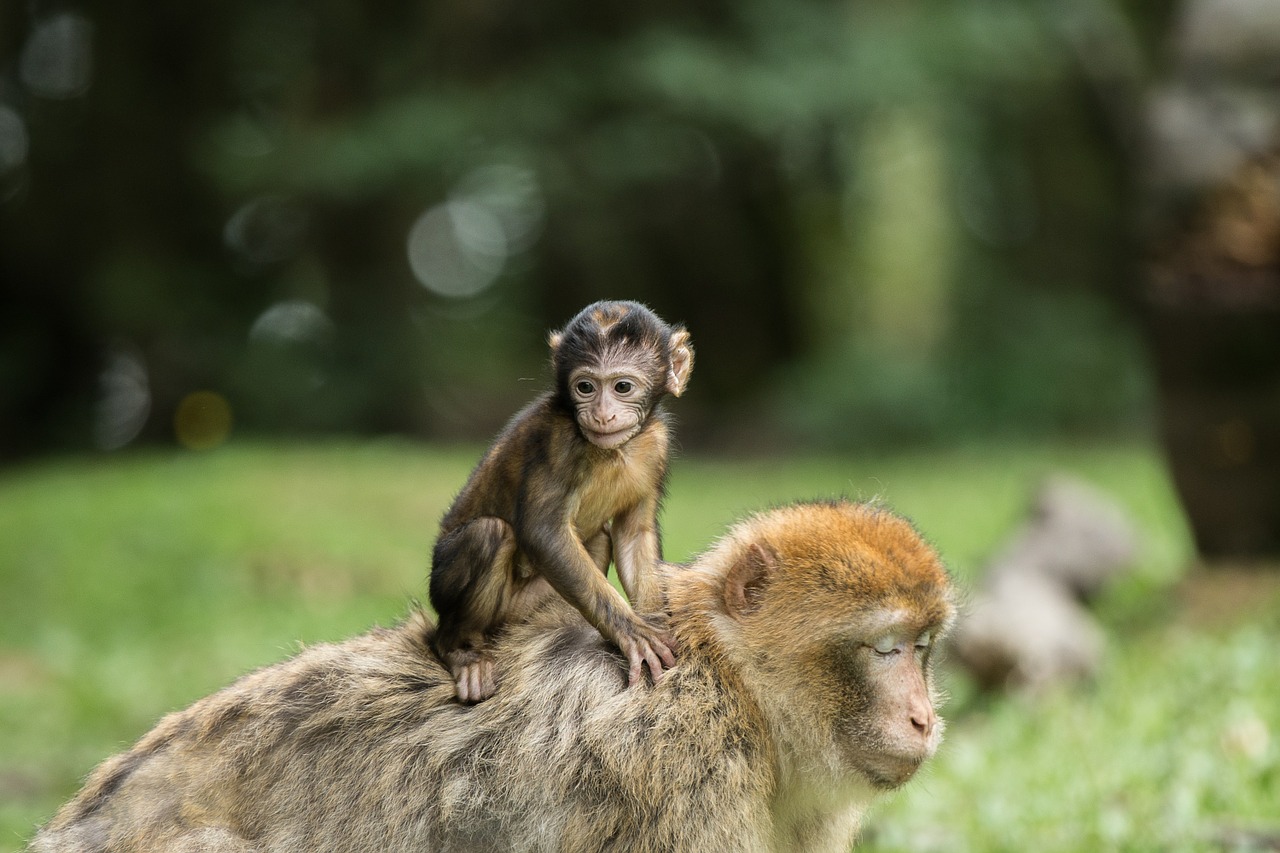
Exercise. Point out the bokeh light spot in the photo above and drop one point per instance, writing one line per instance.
(13, 140)
(124, 400)
(461, 247)
(57, 60)
(266, 230)
(292, 321)
(457, 249)
(202, 420)
(511, 194)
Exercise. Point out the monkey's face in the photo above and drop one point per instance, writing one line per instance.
(613, 363)
(884, 720)
(610, 402)
(840, 607)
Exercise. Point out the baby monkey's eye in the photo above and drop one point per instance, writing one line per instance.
(923, 641)
(584, 387)
(623, 386)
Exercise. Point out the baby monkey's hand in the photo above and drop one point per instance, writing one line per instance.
(648, 644)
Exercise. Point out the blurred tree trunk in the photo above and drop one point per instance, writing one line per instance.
(103, 215)
(1211, 301)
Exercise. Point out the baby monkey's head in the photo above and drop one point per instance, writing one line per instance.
(613, 363)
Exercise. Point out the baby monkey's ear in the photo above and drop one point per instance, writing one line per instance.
(554, 339)
(680, 354)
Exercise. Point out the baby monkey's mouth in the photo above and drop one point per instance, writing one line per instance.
(609, 440)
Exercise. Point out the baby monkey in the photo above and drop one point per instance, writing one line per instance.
(571, 483)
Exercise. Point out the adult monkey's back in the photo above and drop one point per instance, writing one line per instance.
(803, 691)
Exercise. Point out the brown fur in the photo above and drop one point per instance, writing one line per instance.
(573, 482)
(764, 736)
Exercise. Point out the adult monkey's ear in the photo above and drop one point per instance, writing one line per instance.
(748, 579)
(680, 354)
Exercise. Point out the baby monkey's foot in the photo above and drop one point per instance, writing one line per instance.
(474, 678)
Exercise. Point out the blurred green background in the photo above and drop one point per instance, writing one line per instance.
(883, 222)
(272, 272)
(136, 584)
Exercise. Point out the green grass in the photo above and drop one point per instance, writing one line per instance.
(131, 585)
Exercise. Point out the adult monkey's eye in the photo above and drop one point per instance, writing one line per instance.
(584, 387)
(623, 387)
(885, 646)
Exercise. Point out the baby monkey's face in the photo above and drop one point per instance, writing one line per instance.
(610, 403)
(613, 364)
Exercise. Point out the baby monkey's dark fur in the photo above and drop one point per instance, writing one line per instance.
(573, 482)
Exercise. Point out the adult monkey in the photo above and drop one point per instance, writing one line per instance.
(580, 466)
(803, 690)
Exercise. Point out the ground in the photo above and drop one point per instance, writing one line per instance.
(136, 583)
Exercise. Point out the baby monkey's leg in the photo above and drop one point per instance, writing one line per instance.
(472, 588)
